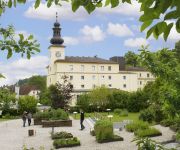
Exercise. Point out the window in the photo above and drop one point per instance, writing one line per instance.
(102, 68)
(109, 77)
(102, 77)
(140, 75)
(82, 86)
(82, 77)
(148, 75)
(110, 85)
(124, 85)
(71, 67)
(93, 77)
(82, 67)
(71, 77)
(124, 77)
(93, 68)
(109, 68)
(140, 82)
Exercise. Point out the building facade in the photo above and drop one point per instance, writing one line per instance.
(86, 73)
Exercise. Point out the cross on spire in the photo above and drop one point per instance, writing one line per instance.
(56, 17)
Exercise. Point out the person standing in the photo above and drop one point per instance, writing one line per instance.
(24, 116)
(29, 117)
(81, 120)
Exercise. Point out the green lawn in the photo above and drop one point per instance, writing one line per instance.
(115, 118)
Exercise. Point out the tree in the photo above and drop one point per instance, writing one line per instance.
(60, 94)
(83, 101)
(27, 103)
(165, 65)
(6, 98)
(158, 16)
(99, 96)
(131, 59)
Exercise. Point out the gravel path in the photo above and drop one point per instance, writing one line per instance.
(13, 136)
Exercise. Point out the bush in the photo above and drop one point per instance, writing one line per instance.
(61, 135)
(132, 127)
(83, 101)
(146, 115)
(53, 114)
(150, 132)
(124, 113)
(178, 136)
(11, 112)
(117, 111)
(167, 122)
(59, 143)
(103, 130)
(27, 103)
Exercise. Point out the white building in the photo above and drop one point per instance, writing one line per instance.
(85, 73)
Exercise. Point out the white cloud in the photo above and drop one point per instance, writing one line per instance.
(120, 30)
(71, 40)
(22, 68)
(136, 42)
(92, 34)
(123, 9)
(64, 12)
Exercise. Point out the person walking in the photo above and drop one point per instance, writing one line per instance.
(81, 120)
(29, 117)
(24, 117)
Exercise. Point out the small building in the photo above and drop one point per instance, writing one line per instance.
(29, 90)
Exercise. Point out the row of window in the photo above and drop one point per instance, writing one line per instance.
(94, 77)
(148, 75)
(93, 68)
(109, 85)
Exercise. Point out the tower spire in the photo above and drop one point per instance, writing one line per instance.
(57, 39)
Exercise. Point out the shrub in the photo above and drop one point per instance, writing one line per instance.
(124, 113)
(27, 103)
(150, 132)
(178, 136)
(103, 130)
(117, 111)
(146, 115)
(53, 114)
(59, 143)
(61, 135)
(167, 122)
(134, 126)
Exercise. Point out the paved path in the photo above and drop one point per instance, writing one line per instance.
(13, 136)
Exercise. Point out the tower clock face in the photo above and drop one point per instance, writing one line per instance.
(58, 54)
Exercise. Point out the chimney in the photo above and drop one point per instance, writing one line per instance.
(120, 61)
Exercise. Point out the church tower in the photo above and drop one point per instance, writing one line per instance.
(56, 48)
(57, 52)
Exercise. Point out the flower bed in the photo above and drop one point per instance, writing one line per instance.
(150, 132)
(134, 126)
(70, 142)
(104, 132)
(56, 123)
(61, 135)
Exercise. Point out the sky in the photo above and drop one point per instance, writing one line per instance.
(106, 32)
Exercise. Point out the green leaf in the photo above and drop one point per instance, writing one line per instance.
(21, 37)
(150, 31)
(146, 24)
(1, 76)
(171, 15)
(90, 7)
(10, 3)
(9, 52)
(114, 3)
(167, 31)
(30, 37)
(75, 5)
(49, 3)
(107, 2)
(127, 1)
(178, 25)
(37, 3)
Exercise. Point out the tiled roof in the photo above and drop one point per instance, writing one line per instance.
(25, 89)
(86, 60)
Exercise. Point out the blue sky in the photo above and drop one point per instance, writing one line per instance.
(106, 32)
